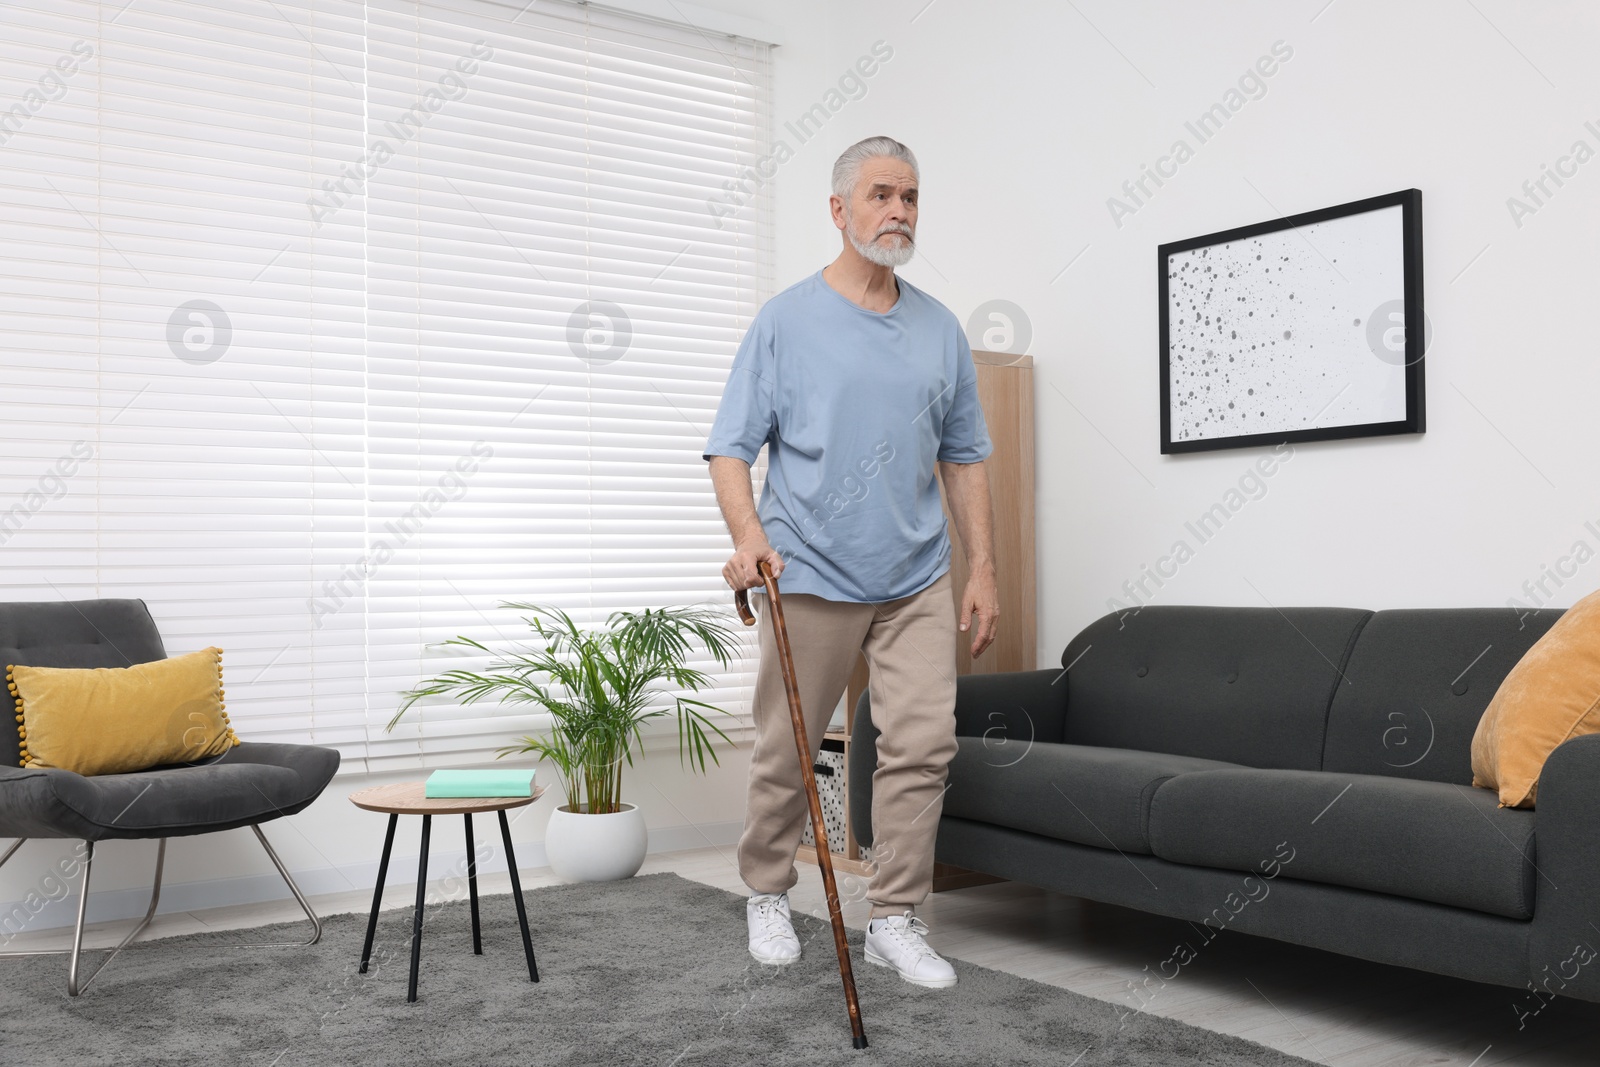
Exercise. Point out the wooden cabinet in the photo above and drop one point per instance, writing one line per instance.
(1005, 389)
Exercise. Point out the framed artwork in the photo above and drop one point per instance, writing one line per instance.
(1295, 329)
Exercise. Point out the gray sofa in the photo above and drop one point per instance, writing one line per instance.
(1302, 774)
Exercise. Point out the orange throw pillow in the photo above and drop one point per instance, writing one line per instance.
(1551, 696)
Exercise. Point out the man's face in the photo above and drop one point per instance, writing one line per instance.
(880, 218)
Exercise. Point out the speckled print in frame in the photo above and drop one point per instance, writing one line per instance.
(1268, 330)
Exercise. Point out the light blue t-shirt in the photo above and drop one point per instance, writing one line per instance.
(855, 407)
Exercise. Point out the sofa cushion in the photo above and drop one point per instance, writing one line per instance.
(1449, 844)
(1417, 684)
(1242, 685)
(1091, 796)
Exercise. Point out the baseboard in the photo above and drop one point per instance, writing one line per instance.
(116, 904)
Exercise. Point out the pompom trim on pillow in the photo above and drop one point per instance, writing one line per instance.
(85, 731)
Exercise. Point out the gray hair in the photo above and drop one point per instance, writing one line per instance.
(847, 168)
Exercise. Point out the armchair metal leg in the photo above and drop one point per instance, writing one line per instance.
(74, 985)
(316, 923)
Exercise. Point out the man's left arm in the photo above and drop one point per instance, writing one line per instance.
(966, 488)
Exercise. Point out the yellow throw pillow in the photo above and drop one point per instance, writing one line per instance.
(1550, 696)
(107, 720)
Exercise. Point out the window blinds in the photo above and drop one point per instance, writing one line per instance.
(332, 326)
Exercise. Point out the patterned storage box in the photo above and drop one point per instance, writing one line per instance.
(829, 770)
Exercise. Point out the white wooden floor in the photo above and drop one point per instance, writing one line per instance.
(1322, 1007)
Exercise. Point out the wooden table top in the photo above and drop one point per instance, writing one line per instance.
(407, 798)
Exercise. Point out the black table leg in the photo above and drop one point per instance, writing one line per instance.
(472, 887)
(377, 893)
(416, 919)
(516, 894)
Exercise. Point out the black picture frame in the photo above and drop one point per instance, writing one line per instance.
(1415, 340)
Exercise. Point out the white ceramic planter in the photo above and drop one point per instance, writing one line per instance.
(596, 848)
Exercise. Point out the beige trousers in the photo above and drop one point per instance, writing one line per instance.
(910, 646)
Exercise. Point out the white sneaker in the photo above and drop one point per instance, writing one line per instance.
(896, 941)
(772, 937)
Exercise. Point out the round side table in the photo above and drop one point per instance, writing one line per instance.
(408, 798)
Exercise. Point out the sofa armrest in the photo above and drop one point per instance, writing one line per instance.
(1564, 949)
(1019, 706)
(1009, 708)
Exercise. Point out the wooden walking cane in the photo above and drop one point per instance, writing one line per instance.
(741, 601)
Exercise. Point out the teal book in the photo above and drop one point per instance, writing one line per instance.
(496, 782)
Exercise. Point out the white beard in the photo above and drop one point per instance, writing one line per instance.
(882, 255)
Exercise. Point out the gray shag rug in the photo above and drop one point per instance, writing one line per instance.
(651, 970)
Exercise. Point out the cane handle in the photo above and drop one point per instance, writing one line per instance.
(741, 598)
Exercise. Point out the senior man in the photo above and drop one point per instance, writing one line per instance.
(858, 383)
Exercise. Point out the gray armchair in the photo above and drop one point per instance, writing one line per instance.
(250, 784)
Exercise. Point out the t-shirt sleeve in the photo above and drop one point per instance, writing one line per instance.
(747, 414)
(965, 437)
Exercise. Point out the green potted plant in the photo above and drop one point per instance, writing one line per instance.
(600, 687)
